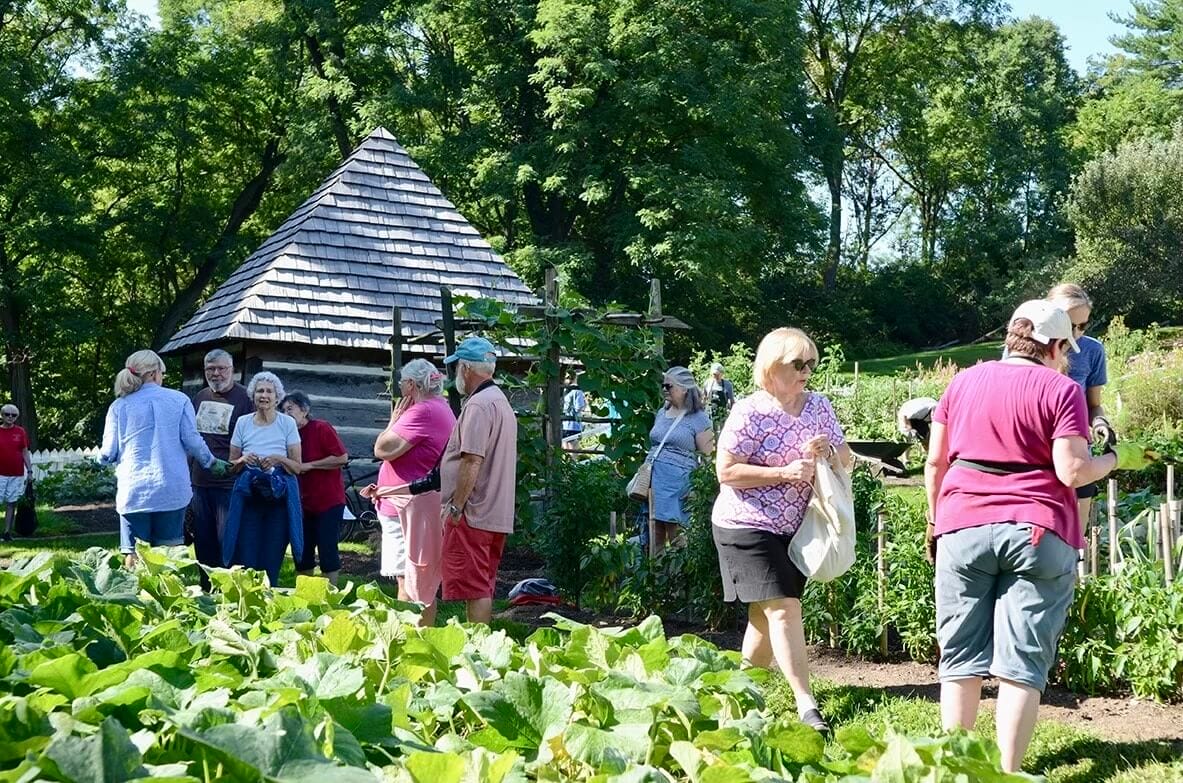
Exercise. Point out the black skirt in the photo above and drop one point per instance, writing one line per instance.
(755, 565)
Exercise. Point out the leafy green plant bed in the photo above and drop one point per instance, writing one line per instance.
(115, 675)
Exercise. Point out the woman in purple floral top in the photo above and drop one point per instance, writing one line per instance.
(765, 462)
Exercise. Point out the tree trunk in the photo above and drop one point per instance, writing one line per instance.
(16, 354)
(833, 165)
(245, 205)
(336, 114)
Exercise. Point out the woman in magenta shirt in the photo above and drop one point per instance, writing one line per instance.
(412, 527)
(1009, 445)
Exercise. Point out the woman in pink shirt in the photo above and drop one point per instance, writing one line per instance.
(412, 528)
(765, 461)
(1008, 446)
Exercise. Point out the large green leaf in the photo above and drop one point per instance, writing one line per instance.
(525, 710)
(608, 750)
(436, 767)
(108, 756)
(800, 743)
(66, 675)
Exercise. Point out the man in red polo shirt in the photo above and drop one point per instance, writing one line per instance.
(15, 464)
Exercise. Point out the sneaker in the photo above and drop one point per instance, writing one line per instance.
(6, 537)
(814, 719)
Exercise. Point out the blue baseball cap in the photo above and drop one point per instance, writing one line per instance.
(473, 349)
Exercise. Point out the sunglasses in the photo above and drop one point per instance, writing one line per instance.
(666, 386)
(800, 364)
(9, 415)
(1081, 326)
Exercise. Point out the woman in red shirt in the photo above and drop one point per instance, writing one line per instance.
(322, 492)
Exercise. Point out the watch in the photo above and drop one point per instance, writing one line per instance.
(453, 511)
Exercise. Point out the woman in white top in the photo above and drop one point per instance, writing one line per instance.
(265, 512)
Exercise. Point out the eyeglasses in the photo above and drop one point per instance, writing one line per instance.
(1081, 326)
(800, 364)
(666, 386)
(9, 415)
(209, 368)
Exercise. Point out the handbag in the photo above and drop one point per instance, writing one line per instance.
(638, 486)
(823, 547)
(25, 521)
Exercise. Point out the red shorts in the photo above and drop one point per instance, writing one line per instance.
(471, 557)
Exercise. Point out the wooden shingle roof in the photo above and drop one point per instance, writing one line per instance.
(376, 233)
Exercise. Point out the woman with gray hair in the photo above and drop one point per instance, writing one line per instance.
(681, 431)
(322, 492)
(412, 529)
(148, 434)
(265, 512)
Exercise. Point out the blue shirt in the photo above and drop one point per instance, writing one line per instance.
(1088, 368)
(149, 436)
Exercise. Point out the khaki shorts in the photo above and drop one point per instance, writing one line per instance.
(12, 488)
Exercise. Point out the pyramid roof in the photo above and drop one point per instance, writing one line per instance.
(375, 234)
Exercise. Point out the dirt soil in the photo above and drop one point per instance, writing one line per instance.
(91, 517)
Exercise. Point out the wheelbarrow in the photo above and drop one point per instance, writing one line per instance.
(883, 453)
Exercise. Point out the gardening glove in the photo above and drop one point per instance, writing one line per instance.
(930, 543)
(1102, 432)
(220, 468)
(1134, 456)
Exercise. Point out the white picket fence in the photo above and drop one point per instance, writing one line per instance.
(52, 460)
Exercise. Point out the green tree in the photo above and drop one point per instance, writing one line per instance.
(1127, 209)
(44, 46)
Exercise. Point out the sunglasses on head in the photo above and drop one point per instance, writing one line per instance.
(800, 364)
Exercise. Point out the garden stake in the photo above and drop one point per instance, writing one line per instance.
(881, 540)
(612, 525)
(652, 528)
(1094, 551)
(1168, 552)
(1112, 501)
(1152, 534)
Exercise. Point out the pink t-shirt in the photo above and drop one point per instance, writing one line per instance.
(760, 432)
(426, 425)
(1009, 412)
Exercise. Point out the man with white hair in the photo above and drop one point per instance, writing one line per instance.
(478, 477)
(218, 407)
(719, 393)
(16, 463)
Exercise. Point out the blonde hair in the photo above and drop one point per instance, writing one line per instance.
(778, 347)
(1069, 295)
(131, 377)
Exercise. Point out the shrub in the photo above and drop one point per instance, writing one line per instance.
(78, 482)
(583, 495)
(1149, 394)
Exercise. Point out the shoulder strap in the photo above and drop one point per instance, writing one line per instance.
(668, 432)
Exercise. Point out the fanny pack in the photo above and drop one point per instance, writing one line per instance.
(268, 486)
(999, 468)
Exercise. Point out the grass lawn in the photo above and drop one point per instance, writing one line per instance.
(960, 355)
(1061, 753)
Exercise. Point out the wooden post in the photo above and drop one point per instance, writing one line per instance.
(1094, 552)
(553, 393)
(881, 556)
(396, 349)
(1168, 551)
(655, 313)
(855, 392)
(1152, 534)
(1113, 547)
(612, 525)
(652, 528)
(1172, 504)
(449, 327)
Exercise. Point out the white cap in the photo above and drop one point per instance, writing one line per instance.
(1050, 322)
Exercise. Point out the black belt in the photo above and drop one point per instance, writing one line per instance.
(999, 468)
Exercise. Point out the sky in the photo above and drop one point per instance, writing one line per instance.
(1085, 24)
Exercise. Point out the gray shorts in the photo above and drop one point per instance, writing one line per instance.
(1002, 602)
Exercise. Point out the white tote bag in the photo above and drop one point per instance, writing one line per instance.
(823, 547)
